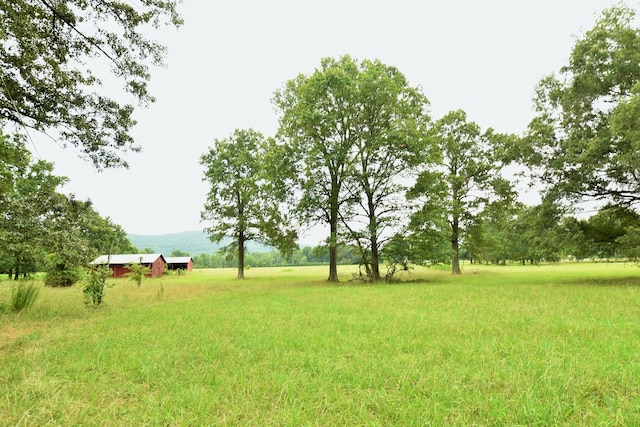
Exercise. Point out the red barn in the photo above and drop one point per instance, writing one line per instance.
(117, 263)
(180, 263)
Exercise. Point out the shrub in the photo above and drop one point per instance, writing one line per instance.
(137, 272)
(62, 277)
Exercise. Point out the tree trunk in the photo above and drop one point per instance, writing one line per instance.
(375, 262)
(241, 256)
(373, 235)
(333, 229)
(333, 252)
(455, 232)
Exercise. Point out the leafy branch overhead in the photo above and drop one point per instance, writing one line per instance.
(584, 141)
(56, 56)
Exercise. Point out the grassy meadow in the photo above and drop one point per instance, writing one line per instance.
(514, 345)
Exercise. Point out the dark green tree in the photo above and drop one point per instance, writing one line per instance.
(29, 214)
(179, 253)
(605, 232)
(246, 194)
(67, 246)
(51, 57)
(317, 112)
(538, 233)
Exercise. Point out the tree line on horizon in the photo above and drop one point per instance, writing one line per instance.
(356, 150)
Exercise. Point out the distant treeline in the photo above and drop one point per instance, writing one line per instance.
(304, 256)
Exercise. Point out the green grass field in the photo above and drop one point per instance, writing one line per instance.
(545, 345)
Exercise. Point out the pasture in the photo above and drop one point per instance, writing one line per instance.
(514, 345)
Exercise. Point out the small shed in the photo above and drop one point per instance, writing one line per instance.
(179, 263)
(117, 263)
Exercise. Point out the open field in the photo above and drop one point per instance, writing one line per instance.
(546, 345)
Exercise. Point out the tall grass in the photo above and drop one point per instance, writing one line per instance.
(550, 345)
(23, 295)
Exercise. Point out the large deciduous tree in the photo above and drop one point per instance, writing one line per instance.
(463, 181)
(317, 112)
(584, 141)
(247, 175)
(353, 127)
(389, 139)
(51, 57)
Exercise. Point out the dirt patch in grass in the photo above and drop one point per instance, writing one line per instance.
(10, 335)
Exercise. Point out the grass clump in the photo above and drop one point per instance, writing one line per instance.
(23, 296)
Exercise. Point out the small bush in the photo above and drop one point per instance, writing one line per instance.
(137, 272)
(23, 295)
(62, 277)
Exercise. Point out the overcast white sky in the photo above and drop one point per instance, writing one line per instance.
(224, 64)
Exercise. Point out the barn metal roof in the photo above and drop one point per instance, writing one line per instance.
(127, 259)
(178, 259)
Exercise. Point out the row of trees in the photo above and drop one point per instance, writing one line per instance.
(356, 148)
(352, 136)
(303, 256)
(524, 234)
(357, 151)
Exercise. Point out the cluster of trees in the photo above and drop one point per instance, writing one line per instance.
(42, 229)
(357, 151)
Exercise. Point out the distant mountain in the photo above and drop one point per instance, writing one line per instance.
(192, 242)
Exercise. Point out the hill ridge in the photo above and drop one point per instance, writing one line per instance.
(194, 242)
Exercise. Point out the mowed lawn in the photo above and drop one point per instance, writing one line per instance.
(514, 345)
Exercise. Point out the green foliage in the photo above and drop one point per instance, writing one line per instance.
(610, 234)
(105, 236)
(179, 253)
(62, 276)
(95, 281)
(51, 58)
(137, 272)
(23, 295)
(42, 229)
(397, 254)
(30, 214)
